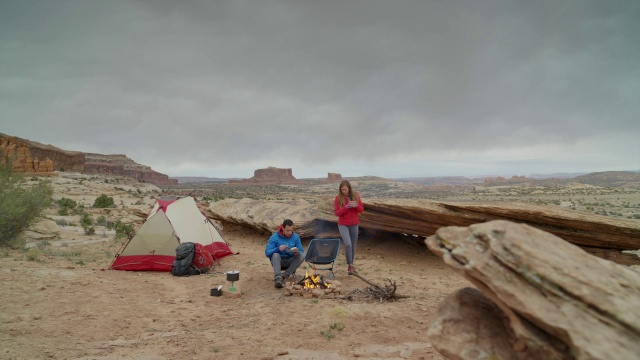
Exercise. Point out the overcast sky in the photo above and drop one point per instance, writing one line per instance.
(386, 88)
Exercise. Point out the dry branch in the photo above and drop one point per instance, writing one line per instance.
(382, 292)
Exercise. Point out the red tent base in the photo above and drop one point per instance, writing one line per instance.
(143, 263)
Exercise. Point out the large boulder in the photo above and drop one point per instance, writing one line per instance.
(44, 229)
(262, 215)
(555, 296)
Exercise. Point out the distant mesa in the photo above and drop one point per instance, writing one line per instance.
(277, 176)
(28, 156)
(269, 176)
(334, 177)
(502, 180)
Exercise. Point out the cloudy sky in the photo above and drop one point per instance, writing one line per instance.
(387, 88)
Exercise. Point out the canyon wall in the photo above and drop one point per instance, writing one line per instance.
(32, 157)
(28, 156)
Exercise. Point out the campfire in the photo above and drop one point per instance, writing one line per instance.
(313, 285)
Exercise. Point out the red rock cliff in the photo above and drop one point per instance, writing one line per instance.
(32, 157)
(121, 165)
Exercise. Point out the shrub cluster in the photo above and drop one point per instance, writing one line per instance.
(103, 201)
(20, 205)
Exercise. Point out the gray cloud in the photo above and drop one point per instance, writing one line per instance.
(362, 87)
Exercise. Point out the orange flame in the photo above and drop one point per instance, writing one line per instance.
(314, 281)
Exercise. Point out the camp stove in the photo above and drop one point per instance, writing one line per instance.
(233, 276)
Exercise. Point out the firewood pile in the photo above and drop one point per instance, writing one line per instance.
(379, 292)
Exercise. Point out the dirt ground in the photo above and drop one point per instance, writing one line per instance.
(56, 307)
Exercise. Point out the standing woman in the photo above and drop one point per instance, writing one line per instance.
(347, 206)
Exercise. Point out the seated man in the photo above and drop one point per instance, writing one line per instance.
(285, 251)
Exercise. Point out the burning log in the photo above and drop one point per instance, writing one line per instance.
(313, 285)
(382, 292)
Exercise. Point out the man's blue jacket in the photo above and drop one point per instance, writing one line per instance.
(277, 239)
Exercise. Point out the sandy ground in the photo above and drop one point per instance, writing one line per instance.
(58, 307)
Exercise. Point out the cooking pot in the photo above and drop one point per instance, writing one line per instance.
(233, 276)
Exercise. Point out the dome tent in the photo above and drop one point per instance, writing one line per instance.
(170, 223)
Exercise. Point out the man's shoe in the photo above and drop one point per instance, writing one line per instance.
(278, 282)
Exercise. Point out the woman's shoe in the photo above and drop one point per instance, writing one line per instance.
(351, 270)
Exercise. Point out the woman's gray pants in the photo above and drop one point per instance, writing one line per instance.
(349, 236)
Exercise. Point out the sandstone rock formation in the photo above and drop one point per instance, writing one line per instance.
(264, 216)
(269, 176)
(542, 297)
(424, 217)
(602, 235)
(44, 229)
(121, 165)
(32, 157)
(334, 177)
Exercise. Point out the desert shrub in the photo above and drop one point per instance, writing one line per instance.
(33, 254)
(20, 205)
(62, 222)
(101, 220)
(110, 225)
(87, 224)
(66, 205)
(79, 210)
(103, 201)
(122, 229)
(89, 230)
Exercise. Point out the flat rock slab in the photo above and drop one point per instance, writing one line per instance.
(555, 295)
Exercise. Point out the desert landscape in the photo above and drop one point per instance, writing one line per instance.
(150, 149)
(60, 301)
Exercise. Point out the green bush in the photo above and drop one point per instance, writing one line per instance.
(89, 230)
(103, 201)
(101, 220)
(79, 210)
(87, 224)
(20, 205)
(66, 205)
(33, 254)
(122, 229)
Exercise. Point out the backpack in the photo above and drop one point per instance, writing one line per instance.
(183, 263)
(202, 259)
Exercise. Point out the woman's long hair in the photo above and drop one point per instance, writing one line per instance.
(352, 194)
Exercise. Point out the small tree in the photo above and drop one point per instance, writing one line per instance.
(103, 201)
(101, 220)
(20, 205)
(65, 205)
(122, 229)
(87, 224)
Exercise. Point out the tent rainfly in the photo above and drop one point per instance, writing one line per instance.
(170, 222)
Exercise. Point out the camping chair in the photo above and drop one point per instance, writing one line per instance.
(323, 252)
